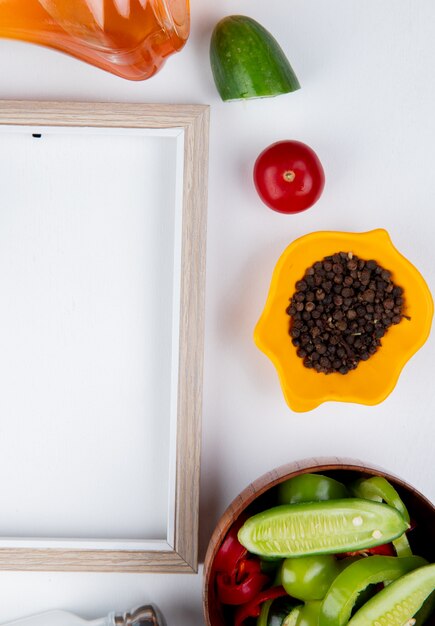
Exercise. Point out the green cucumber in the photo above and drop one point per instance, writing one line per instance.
(247, 62)
(397, 604)
(329, 527)
(345, 590)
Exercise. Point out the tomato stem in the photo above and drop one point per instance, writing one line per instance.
(289, 176)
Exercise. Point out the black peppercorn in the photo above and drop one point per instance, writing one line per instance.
(340, 311)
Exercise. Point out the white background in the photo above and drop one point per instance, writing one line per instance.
(366, 106)
(88, 275)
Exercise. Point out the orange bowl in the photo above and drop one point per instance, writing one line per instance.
(373, 380)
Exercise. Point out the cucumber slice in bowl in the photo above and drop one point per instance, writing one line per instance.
(247, 62)
(397, 604)
(345, 591)
(329, 527)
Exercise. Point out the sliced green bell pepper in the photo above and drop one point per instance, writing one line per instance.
(302, 615)
(379, 489)
(263, 618)
(309, 577)
(310, 488)
(309, 614)
(292, 618)
(275, 612)
(343, 593)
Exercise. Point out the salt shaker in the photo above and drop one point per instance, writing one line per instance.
(143, 616)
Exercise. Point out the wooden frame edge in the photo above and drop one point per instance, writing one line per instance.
(22, 559)
(100, 114)
(192, 336)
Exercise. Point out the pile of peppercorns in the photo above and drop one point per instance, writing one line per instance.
(342, 308)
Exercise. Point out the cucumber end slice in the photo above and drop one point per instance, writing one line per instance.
(247, 61)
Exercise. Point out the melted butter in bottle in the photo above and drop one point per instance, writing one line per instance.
(130, 38)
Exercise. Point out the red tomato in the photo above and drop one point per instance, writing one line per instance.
(289, 177)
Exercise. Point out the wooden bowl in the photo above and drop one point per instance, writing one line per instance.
(258, 496)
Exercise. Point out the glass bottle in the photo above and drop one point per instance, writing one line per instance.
(130, 38)
(144, 616)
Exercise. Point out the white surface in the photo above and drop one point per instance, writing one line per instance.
(90, 258)
(61, 618)
(366, 106)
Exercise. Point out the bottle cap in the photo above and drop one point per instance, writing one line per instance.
(143, 616)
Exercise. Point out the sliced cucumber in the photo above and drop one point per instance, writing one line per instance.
(327, 527)
(345, 590)
(397, 604)
(426, 610)
(247, 62)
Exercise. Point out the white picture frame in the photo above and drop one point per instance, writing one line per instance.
(51, 153)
